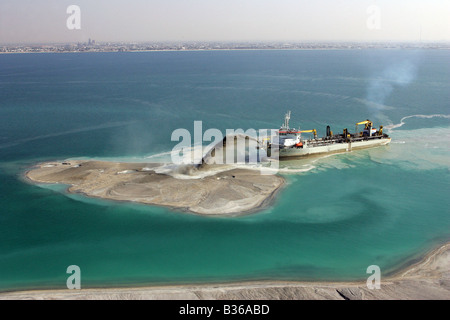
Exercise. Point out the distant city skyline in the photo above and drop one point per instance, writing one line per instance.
(46, 21)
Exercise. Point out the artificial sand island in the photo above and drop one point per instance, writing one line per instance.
(205, 190)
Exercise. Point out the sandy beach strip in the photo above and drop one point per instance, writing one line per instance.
(428, 279)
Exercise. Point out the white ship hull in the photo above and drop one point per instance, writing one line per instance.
(331, 147)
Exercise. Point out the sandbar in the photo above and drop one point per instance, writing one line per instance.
(206, 191)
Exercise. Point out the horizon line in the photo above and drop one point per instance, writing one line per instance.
(233, 42)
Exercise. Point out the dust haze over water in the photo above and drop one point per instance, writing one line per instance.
(387, 79)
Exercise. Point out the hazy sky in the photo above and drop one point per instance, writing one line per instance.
(44, 21)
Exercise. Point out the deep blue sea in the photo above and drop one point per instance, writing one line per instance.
(337, 215)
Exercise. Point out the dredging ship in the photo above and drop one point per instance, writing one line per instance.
(292, 144)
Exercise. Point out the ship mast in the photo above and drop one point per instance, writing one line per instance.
(287, 117)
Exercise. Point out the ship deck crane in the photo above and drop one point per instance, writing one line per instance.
(313, 131)
(367, 126)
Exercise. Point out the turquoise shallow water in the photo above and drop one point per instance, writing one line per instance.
(336, 216)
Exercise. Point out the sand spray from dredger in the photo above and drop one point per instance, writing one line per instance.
(236, 147)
